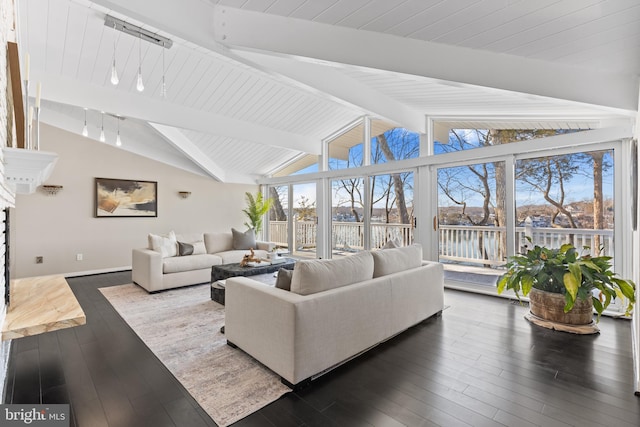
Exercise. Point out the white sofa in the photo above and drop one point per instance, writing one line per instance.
(154, 271)
(336, 309)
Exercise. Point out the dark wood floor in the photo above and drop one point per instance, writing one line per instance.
(480, 364)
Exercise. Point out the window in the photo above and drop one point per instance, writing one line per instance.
(394, 144)
(459, 136)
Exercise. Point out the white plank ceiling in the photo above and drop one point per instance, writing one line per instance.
(236, 113)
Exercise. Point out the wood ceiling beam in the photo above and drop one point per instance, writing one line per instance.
(150, 109)
(342, 89)
(296, 38)
(183, 144)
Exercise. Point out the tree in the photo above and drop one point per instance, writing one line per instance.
(306, 209)
(398, 185)
(256, 209)
(598, 197)
(548, 175)
(277, 212)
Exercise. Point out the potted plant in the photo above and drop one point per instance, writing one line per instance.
(561, 283)
(257, 208)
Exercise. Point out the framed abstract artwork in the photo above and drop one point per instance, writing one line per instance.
(125, 198)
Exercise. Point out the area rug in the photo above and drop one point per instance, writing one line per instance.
(182, 328)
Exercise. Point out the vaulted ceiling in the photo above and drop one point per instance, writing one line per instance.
(253, 84)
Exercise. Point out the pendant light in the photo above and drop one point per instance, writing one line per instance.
(102, 138)
(85, 131)
(139, 84)
(118, 140)
(114, 72)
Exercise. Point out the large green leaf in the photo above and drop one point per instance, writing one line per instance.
(571, 283)
(527, 284)
(628, 290)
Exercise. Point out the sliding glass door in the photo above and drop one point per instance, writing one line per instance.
(293, 220)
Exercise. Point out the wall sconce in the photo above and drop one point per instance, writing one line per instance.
(184, 194)
(51, 190)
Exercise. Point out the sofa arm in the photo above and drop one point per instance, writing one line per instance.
(265, 246)
(146, 269)
(260, 320)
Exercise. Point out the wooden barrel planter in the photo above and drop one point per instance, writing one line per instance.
(547, 310)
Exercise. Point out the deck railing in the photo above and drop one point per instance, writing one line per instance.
(457, 243)
(485, 245)
(345, 235)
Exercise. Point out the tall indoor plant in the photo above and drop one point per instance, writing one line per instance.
(257, 208)
(566, 272)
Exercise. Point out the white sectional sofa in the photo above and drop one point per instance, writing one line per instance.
(159, 269)
(335, 310)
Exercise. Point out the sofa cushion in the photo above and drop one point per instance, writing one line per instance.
(189, 263)
(167, 245)
(244, 240)
(283, 281)
(195, 239)
(391, 261)
(185, 249)
(317, 275)
(218, 242)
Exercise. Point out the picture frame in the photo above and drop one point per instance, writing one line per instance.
(125, 198)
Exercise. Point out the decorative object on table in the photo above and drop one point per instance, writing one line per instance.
(560, 284)
(257, 208)
(225, 271)
(250, 258)
(274, 257)
(125, 198)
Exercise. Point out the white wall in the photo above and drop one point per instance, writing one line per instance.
(62, 226)
(7, 33)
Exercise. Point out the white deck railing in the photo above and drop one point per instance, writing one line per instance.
(457, 243)
(344, 235)
(481, 245)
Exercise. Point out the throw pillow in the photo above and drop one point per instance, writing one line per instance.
(167, 245)
(199, 248)
(395, 260)
(244, 241)
(283, 281)
(185, 249)
(317, 275)
(391, 243)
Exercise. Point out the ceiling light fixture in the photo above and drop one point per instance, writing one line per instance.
(114, 71)
(139, 84)
(102, 138)
(141, 34)
(163, 88)
(118, 140)
(85, 131)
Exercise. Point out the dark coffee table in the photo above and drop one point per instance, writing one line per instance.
(225, 271)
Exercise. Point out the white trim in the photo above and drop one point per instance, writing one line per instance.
(99, 271)
(510, 204)
(183, 144)
(585, 138)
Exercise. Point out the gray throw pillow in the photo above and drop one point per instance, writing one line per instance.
(283, 281)
(185, 249)
(244, 241)
(391, 244)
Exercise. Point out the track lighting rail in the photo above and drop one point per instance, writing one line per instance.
(136, 31)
